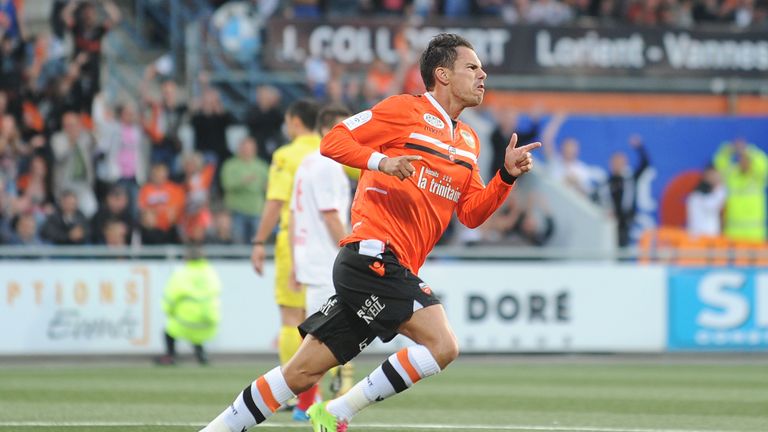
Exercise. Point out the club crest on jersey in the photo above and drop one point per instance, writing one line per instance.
(468, 138)
(434, 121)
(451, 153)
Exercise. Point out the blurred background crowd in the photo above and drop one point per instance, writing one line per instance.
(677, 13)
(170, 160)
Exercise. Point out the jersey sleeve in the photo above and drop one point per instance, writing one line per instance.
(358, 141)
(279, 185)
(479, 202)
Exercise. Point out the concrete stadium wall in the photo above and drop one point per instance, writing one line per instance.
(80, 308)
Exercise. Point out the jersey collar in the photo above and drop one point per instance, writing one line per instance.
(442, 112)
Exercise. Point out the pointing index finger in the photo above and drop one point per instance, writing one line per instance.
(531, 146)
(412, 157)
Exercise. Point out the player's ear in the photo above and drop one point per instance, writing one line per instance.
(441, 75)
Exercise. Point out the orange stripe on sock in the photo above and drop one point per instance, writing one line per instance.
(266, 394)
(405, 362)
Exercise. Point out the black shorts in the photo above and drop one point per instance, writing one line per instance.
(374, 296)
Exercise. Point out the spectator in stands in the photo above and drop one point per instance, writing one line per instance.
(620, 189)
(115, 233)
(12, 62)
(56, 18)
(507, 121)
(11, 27)
(48, 62)
(151, 234)
(382, 78)
(34, 189)
(565, 166)
(707, 11)
(499, 224)
(488, 8)
(81, 17)
(12, 150)
(744, 168)
(390, 7)
(705, 204)
(743, 13)
(210, 122)
(62, 97)
(122, 151)
(643, 12)
(264, 120)
(548, 12)
(6, 212)
(161, 206)
(298, 9)
(25, 231)
(607, 11)
(535, 225)
(4, 108)
(342, 8)
(456, 8)
(678, 14)
(116, 207)
(222, 233)
(162, 118)
(318, 73)
(73, 153)
(244, 181)
(197, 184)
(67, 225)
(527, 224)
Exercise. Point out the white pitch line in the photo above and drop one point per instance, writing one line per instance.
(363, 426)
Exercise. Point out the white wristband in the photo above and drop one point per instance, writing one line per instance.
(375, 160)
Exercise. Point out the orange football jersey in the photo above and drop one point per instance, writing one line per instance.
(410, 215)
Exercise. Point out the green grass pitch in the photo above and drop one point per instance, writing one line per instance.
(501, 394)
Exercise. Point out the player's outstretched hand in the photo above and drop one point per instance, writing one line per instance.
(518, 160)
(399, 166)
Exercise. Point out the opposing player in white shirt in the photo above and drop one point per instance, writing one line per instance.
(319, 220)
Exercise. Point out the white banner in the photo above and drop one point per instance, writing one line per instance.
(81, 307)
(551, 307)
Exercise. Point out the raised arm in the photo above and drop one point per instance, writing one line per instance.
(113, 14)
(550, 133)
(479, 202)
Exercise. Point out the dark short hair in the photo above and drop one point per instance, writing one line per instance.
(306, 110)
(441, 52)
(328, 114)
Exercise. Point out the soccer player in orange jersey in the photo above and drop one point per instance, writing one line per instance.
(419, 167)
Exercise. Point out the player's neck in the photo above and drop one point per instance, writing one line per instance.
(452, 106)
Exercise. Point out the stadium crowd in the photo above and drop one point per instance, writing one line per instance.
(76, 168)
(673, 13)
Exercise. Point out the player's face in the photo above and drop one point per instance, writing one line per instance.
(468, 78)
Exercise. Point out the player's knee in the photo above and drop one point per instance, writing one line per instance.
(298, 378)
(451, 352)
(445, 352)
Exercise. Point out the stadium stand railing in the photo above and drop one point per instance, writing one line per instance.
(673, 245)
